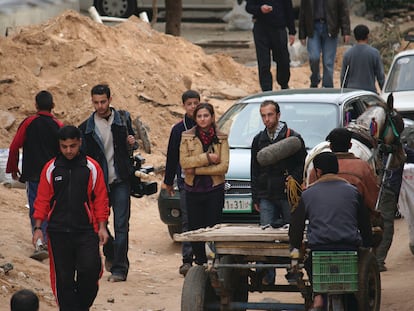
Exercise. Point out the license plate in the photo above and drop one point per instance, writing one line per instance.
(237, 205)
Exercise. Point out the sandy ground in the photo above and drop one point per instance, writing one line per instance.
(153, 282)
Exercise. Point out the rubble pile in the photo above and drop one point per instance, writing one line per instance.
(146, 70)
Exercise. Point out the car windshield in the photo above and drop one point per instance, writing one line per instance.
(401, 75)
(312, 120)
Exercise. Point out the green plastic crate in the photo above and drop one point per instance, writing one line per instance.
(335, 271)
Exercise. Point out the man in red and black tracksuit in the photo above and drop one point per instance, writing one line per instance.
(37, 134)
(72, 197)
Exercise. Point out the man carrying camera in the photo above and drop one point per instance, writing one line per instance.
(108, 140)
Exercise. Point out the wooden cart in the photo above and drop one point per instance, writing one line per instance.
(239, 254)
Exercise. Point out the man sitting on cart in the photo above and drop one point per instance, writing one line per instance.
(338, 219)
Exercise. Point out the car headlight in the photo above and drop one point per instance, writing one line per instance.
(175, 212)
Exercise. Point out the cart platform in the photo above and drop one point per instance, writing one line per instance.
(235, 239)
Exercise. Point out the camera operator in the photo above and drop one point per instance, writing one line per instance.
(108, 140)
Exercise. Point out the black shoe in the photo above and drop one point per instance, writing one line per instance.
(269, 278)
(184, 268)
(397, 215)
(293, 277)
(117, 278)
(108, 264)
(41, 253)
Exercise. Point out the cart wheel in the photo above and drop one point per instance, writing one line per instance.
(198, 294)
(369, 282)
(235, 281)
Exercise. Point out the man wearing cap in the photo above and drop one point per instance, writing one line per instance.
(355, 170)
(337, 218)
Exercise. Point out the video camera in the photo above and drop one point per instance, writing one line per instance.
(140, 188)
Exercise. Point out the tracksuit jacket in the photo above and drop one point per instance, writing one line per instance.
(72, 195)
(37, 135)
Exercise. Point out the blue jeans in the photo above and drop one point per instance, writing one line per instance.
(31, 191)
(187, 250)
(322, 42)
(275, 212)
(116, 250)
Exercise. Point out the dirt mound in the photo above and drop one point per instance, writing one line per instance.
(146, 70)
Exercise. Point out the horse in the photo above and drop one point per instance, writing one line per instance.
(375, 135)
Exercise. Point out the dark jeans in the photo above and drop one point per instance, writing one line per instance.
(116, 250)
(31, 191)
(271, 41)
(187, 250)
(75, 269)
(204, 210)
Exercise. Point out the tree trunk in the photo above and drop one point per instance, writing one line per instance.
(154, 12)
(173, 13)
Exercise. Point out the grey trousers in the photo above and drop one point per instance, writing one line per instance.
(387, 207)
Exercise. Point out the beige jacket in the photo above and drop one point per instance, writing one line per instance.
(193, 156)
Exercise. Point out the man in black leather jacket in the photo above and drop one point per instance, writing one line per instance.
(109, 140)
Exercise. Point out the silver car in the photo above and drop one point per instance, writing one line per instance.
(400, 82)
